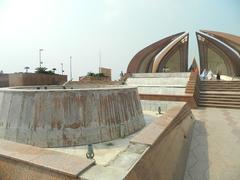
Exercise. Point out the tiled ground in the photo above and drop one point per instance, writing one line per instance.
(215, 148)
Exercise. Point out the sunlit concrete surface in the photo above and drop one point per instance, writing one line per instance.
(215, 148)
(159, 83)
(106, 151)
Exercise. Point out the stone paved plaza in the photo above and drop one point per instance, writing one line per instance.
(215, 148)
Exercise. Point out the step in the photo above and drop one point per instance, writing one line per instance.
(220, 98)
(219, 105)
(220, 90)
(216, 85)
(221, 81)
(220, 93)
(219, 85)
(219, 102)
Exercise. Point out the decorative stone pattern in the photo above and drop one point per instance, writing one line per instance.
(57, 117)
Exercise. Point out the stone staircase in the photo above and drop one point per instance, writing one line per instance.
(222, 94)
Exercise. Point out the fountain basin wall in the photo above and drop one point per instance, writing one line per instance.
(68, 117)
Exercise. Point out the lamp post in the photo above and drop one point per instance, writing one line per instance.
(40, 60)
(70, 68)
(26, 68)
(100, 61)
(62, 68)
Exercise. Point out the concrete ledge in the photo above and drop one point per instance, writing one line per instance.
(18, 161)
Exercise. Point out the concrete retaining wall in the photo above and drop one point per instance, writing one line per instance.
(57, 117)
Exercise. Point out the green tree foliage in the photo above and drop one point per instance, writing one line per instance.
(91, 74)
(43, 70)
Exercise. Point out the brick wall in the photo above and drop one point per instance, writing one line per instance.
(30, 79)
(4, 80)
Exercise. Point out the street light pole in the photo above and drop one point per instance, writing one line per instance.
(100, 59)
(40, 60)
(70, 68)
(62, 68)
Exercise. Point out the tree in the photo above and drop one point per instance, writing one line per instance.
(91, 74)
(43, 70)
(26, 68)
(54, 69)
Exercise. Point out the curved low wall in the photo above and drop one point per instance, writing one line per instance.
(67, 117)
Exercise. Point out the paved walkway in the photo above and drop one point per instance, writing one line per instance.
(215, 148)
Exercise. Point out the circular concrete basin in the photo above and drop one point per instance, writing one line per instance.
(55, 116)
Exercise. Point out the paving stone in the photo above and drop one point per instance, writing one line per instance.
(215, 149)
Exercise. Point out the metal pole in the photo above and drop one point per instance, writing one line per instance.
(62, 68)
(100, 59)
(70, 68)
(40, 57)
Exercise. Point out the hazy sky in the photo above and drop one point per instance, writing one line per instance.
(116, 28)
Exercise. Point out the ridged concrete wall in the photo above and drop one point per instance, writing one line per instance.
(57, 117)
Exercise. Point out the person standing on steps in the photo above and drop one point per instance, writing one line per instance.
(218, 76)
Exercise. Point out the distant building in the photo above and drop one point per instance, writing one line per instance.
(31, 79)
(106, 72)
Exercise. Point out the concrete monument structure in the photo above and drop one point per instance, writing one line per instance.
(169, 54)
(219, 52)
